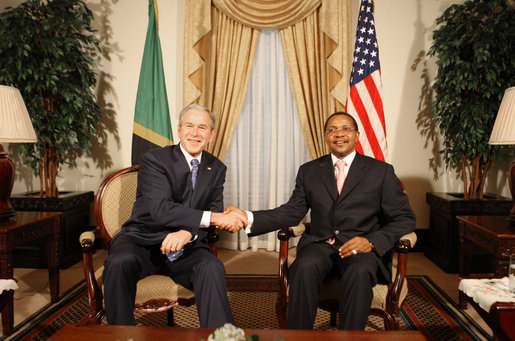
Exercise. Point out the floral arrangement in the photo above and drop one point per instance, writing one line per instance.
(229, 332)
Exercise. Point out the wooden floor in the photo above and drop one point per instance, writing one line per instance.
(34, 292)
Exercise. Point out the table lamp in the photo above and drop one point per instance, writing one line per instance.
(503, 132)
(15, 127)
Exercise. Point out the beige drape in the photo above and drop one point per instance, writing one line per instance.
(221, 38)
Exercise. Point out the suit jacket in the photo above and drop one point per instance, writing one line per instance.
(165, 200)
(372, 204)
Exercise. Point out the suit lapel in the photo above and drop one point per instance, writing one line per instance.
(178, 159)
(204, 176)
(356, 172)
(182, 175)
(327, 177)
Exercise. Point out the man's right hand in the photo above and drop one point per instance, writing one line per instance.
(229, 221)
(237, 210)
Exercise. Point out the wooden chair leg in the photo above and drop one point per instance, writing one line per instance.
(169, 317)
(390, 322)
(332, 320)
(281, 311)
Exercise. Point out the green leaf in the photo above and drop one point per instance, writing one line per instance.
(473, 44)
(46, 50)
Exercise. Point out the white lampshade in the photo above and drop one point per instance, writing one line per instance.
(15, 124)
(503, 131)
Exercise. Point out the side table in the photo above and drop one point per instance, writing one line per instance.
(21, 229)
(499, 318)
(492, 233)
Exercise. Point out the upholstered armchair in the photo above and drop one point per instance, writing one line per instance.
(387, 298)
(113, 206)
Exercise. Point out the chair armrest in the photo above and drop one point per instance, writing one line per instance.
(87, 240)
(402, 248)
(212, 237)
(406, 243)
(284, 235)
(292, 231)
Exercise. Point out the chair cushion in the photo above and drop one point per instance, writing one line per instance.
(158, 286)
(154, 287)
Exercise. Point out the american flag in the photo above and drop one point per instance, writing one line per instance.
(364, 101)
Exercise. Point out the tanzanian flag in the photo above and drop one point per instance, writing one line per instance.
(152, 125)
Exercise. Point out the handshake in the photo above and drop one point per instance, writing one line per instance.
(232, 220)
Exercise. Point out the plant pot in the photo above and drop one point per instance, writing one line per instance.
(75, 206)
(443, 243)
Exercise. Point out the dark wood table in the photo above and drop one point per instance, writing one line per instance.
(138, 333)
(492, 233)
(21, 229)
(500, 318)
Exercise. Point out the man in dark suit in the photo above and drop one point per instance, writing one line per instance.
(179, 195)
(358, 212)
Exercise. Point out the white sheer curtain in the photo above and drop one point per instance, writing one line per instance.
(267, 148)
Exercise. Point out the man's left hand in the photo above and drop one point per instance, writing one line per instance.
(354, 246)
(174, 241)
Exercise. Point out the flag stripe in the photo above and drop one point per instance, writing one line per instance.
(364, 101)
(361, 147)
(151, 136)
(375, 116)
(375, 97)
(376, 76)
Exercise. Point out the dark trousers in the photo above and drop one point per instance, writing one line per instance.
(196, 269)
(316, 261)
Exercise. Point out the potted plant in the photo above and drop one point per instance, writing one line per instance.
(473, 46)
(48, 51)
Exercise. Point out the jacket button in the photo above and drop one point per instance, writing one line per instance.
(336, 232)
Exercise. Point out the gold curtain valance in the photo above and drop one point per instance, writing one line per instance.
(220, 41)
(267, 14)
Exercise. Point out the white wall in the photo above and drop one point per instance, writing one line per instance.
(404, 33)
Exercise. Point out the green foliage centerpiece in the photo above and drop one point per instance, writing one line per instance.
(473, 44)
(47, 50)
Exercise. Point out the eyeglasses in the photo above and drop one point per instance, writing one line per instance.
(345, 130)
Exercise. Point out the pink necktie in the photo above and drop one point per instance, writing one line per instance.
(340, 177)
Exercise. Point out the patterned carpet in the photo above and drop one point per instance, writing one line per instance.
(252, 300)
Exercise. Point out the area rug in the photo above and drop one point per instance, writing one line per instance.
(252, 298)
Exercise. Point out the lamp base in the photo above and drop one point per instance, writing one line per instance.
(6, 214)
(6, 185)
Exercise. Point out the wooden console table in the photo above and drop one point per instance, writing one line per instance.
(492, 233)
(140, 333)
(20, 229)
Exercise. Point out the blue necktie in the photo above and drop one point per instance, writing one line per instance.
(194, 172)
